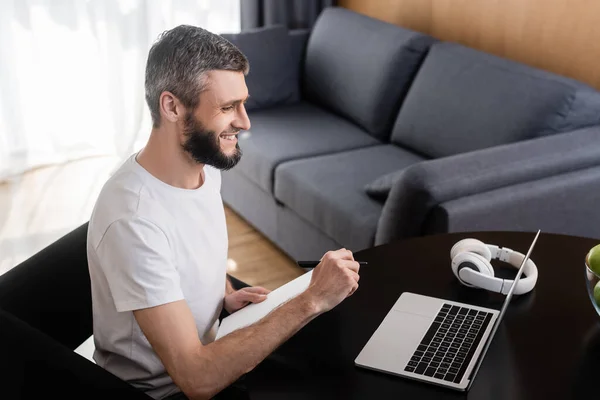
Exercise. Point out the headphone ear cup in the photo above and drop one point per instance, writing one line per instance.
(472, 246)
(473, 261)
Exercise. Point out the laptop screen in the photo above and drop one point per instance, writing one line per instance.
(504, 307)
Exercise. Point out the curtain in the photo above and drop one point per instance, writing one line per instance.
(72, 74)
(295, 14)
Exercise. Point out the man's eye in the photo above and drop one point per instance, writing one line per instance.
(228, 108)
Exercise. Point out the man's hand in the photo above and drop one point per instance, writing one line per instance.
(335, 278)
(241, 298)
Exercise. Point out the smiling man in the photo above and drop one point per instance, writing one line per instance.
(157, 238)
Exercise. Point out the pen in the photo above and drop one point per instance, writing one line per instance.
(313, 264)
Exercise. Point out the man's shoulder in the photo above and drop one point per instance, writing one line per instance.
(123, 197)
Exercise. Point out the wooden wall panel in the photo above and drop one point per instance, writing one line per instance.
(562, 36)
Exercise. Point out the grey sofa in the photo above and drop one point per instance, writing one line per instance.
(364, 133)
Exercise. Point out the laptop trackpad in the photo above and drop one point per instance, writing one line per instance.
(417, 304)
(393, 343)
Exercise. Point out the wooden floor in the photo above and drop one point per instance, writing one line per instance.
(40, 206)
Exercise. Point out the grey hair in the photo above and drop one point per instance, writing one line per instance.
(178, 62)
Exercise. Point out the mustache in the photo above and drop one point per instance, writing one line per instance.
(231, 130)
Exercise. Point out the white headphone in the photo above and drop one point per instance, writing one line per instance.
(471, 265)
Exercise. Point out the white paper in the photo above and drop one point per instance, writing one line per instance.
(255, 312)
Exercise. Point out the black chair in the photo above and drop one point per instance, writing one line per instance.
(45, 314)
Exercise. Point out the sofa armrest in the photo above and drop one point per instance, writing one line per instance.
(561, 204)
(424, 186)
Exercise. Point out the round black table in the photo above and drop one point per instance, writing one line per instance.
(547, 347)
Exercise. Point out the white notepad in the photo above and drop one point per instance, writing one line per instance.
(254, 312)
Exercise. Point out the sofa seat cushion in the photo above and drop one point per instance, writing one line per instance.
(361, 68)
(328, 191)
(464, 100)
(291, 132)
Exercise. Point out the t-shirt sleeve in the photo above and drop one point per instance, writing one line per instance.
(136, 259)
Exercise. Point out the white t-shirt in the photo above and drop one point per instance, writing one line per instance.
(148, 244)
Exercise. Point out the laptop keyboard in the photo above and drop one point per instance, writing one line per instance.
(450, 343)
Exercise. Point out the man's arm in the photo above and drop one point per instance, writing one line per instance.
(228, 286)
(203, 371)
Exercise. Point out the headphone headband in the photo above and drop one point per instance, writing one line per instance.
(471, 265)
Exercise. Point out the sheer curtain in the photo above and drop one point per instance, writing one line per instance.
(72, 74)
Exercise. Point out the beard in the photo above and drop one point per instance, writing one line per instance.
(204, 145)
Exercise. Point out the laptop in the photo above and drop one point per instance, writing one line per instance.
(434, 340)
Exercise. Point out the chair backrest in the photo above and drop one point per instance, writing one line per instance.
(51, 290)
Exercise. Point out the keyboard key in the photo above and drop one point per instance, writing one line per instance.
(459, 359)
(462, 354)
(472, 312)
(444, 348)
(429, 354)
(439, 376)
(421, 368)
(446, 306)
(444, 365)
(426, 359)
(429, 372)
(453, 330)
(436, 359)
(453, 370)
(434, 364)
(440, 354)
(442, 370)
(442, 330)
(419, 353)
(409, 369)
(412, 363)
(422, 348)
(415, 358)
(455, 326)
(460, 335)
(448, 359)
(454, 346)
(456, 365)
(470, 336)
(436, 340)
(476, 325)
(430, 333)
(454, 310)
(434, 345)
(439, 335)
(449, 377)
(463, 311)
(463, 331)
(473, 331)
(445, 325)
(459, 318)
(439, 319)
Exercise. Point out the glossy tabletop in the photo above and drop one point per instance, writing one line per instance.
(547, 347)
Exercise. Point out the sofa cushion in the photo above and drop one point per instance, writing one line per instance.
(296, 131)
(463, 100)
(328, 191)
(274, 76)
(361, 68)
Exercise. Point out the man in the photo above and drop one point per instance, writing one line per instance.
(157, 239)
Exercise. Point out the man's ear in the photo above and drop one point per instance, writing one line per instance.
(170, 107)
